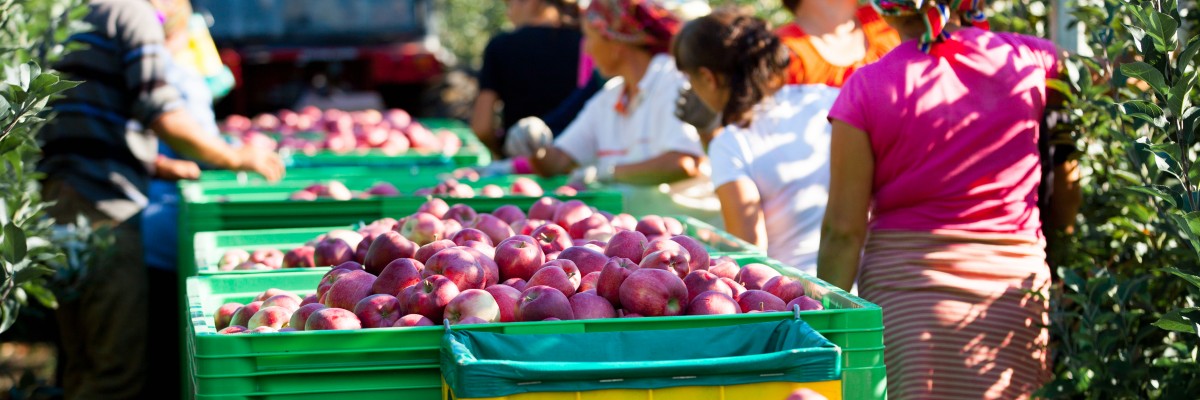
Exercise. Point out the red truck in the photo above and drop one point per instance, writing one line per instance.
(290, 53)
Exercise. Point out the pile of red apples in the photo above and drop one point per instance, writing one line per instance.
(449, 187)
(393, 132)
(452, 263)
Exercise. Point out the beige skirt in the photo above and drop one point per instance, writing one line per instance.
(964, 314)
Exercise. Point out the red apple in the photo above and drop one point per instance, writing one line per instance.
(476, 303)
(300, 317)
(496, 229)
(526, 226)
(506, 298)
(486, 260)
(509, 213)
(328, 319)
(423, 228)
(559, 274)
(627, 244)
(806, 304)
(544, 208)
(435, 206)
(300, 257)
(594, 227)
(588, 305)
(397, 275)
(242, 315)
(337, 191)
(458, 265)
(432, 248)
(462, 213)
(471, 321)
(413, 320)
(758, 300)
(491, 190)
(232, 258)
(702, 281)
(588, 260)
(383, 189)
(713, 303)
(698, 255)
(552, 238)
(754, 276)
(332, 251)
(784, 288)
(516, 283)
(570, 212)
(523, 186)
(541, 302)
(653, 293)
(566, 191)
(651, 225)
(452, 227)
(725, 269)
(673, 260)
(624, 221)
(224, 314)
(272, 258)
(388, 247)
(349, 289)
(429, 297)
(588, 282)
(310, 299)
(378, 311)
(275, 317)
(674, 227)
(350, 237)
(263, 329)
(519, 257)
(735, 287)
(287, 300)
(469, 234)
(615, 271)
(233, 329)
(303, 195)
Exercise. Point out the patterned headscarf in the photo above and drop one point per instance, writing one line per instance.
(935, 15)
(637, 22)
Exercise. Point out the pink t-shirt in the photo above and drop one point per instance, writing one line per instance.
(954, 133)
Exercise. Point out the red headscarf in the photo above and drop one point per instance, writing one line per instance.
(637, 22)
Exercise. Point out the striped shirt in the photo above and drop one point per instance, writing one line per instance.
(95, 143)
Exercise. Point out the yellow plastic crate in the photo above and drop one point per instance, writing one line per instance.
(832, 390)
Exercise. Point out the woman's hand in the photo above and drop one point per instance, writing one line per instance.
(844, 229)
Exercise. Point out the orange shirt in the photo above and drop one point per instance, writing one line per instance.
(809, 67)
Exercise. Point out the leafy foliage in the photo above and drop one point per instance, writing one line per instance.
(1124, 319)
(31, 35)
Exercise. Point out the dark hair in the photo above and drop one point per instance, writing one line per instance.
(790, 5)
(740, 49)
(568, 12)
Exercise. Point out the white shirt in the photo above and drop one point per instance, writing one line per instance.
(602, 136)
(785, 153)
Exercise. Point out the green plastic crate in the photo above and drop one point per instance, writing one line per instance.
(393, 363)
(472, 152)
(267, 207)
(211, 246)
(316, 174)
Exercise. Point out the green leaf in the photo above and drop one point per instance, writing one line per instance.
(1190, 119)
(1179, 99)
(1163, 159)
(1144, 110)
(1181, 320)
(1163, 29)
(41, 83)
(1192, 279)
(4, 107)
(1158, 191)
(9, 309)
(1189, 225)
(29, 271)
(1186, 56)
(1063, 88)
(42, 294)
(1146, 73)
(14, 243)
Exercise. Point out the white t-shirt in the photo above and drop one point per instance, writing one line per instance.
(602, 136)
(785, 153)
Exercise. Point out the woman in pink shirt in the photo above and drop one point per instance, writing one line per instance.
(934, 174)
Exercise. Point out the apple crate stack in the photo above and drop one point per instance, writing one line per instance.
(363, 328)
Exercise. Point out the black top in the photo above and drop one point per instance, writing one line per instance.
(532, 69)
